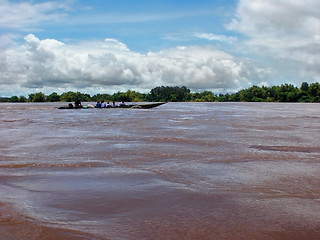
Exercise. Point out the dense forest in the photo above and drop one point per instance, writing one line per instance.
(283, 93)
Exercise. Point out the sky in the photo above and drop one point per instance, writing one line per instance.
(108, 46)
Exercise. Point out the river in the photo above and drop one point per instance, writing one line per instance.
(179, 171)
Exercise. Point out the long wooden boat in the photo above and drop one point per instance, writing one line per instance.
(135, 106)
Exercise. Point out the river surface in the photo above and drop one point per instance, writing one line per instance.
(179, 171)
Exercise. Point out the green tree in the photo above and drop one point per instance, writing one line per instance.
(304, 87)
(23, 99)
(245, 95)
(205, 96)
(68, 97)
(53, 97)
(37, 97)
(128, 96)
(314, 92)
(14, 99)
(5, 99)
(234, 97)
(161, 94)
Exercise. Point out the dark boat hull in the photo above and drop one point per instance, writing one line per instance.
(147, 106)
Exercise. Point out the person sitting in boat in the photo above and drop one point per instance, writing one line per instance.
(77, 104)
(98, 105)
(113, 104)
(122, 104)
(108, 105)
(103, 104)
(70, 105)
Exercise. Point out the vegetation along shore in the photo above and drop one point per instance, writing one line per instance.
(283, 93)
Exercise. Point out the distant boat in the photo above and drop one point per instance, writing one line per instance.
(135, 106)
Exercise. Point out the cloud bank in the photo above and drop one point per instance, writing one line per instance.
(284, 30)
(109, 66)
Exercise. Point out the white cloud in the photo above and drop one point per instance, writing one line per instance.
(282, 30)
(215, 37)
(26, 15)
(7, 40)
(109, 66)
(191, 36)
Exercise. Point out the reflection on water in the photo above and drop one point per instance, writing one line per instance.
(179, 171)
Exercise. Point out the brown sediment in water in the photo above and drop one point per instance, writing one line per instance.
(183, 171)
(14, 226)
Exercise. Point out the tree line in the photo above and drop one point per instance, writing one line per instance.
(283, 93)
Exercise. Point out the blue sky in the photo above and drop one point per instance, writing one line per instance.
(142, 25)
(108, 46)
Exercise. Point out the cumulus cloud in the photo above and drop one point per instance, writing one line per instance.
(282, 29)
(110, 66)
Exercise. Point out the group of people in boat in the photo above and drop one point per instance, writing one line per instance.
(104, 104)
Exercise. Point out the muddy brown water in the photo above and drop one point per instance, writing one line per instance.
(179, 171)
